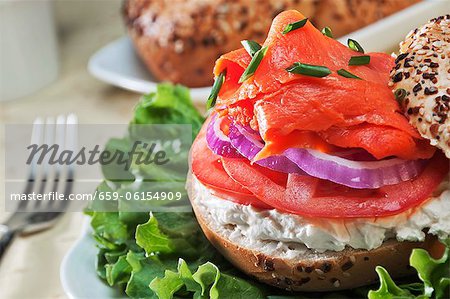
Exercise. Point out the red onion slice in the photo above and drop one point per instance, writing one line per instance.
(249, 144)
(352, 173)
(355, 174)
(217, 141)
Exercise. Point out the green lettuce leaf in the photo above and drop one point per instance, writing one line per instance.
(171, 234)
(434, 274)
(167, 286)
(388, 289)
(100, 264)
(150, 238)
(180, 281)
(109, 228)
(119, 272)
(170, 104)
(144, 269)
(225, 286)
(206, 282)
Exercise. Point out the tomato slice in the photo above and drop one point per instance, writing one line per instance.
(207, 168)
(276, 177)
(248, 200)
(312, 197)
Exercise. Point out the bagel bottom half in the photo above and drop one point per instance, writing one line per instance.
(307, 270)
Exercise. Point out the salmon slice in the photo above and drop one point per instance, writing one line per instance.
(306, 45)
(379, 140)
(324, 103)
(340, 111)
(317, 104)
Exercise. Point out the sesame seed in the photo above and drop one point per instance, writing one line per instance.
(319, 272)
(417, 87)
(401, 57)
(337, 284)
(397, 77)
(430, 90)
(437, 44)
(434, 65)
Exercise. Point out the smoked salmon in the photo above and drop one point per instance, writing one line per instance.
(310, 111)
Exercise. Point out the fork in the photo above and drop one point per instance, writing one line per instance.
(34, 216)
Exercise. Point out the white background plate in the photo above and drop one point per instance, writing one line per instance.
(118, 64)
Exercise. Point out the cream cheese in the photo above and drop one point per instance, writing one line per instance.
(262, 226)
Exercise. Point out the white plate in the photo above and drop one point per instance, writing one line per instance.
(385, 34)
(118, 64)
(77, 273)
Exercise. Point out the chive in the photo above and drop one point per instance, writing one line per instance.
(211, 102)
(359, 60)
(354, 45)
(327, 32)
(251, 47)
(347, 74)
(309, 70)
(400, 94)
(253, 66)
(293, 26)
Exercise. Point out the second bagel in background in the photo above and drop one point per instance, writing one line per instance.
(168, 34)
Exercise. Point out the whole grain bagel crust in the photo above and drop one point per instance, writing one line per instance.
(179, 40)
(423, 71)
(313, 272)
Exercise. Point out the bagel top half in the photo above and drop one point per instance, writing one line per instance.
(423, 71)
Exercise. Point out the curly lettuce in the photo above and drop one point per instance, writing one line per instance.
(434, 275)
(206, 282)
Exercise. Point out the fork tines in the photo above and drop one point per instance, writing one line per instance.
(49, 173)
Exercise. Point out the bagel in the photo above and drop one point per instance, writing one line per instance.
(293, 266)
(423, 71)
(288, 230)
(179, 41)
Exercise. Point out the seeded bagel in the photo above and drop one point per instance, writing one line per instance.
(180, 40)
(345, 16)
(423, 71)
(294, 267)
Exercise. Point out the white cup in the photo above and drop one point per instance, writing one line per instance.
(28, 47)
